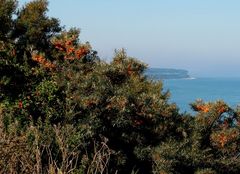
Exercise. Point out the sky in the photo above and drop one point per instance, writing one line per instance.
(201, 36)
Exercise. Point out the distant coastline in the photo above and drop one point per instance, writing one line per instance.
(167, 73)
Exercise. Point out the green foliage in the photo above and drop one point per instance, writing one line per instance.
(30, 32)
(64, 110)
(7, 9)
(117, 102)
(33, 27)
(211, 145)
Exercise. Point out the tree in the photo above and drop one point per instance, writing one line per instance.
(116, 102)
(211, 144)
(7, 9)
(63, 109)
(51, 79)
(29, 31)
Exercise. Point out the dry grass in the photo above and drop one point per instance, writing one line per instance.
(18, 156)
(101, 159)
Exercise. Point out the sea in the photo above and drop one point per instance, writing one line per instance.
(185, 91)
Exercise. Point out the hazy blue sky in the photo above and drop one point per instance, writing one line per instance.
(202, 36)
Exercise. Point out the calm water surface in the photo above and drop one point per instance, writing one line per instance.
(185, 91)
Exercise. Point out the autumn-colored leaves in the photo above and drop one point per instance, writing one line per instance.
(207, 107)
(43, 61)
(67, 46)
(219, 120)
(203, 108)
(222, 138)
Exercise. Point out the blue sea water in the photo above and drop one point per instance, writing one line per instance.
(185, 91)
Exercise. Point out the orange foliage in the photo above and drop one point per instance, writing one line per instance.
(222, 139)
(222, 109)
(70, 50)
(68, 42)
(203, 108)
(59, 46)
(81, 52)
(129, 69)
(41, 60)
(20, 104)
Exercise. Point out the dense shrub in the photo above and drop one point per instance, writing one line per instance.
(108, 110)
(210, 146)
(64, 110)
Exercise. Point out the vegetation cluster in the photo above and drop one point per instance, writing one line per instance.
(65, 110)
